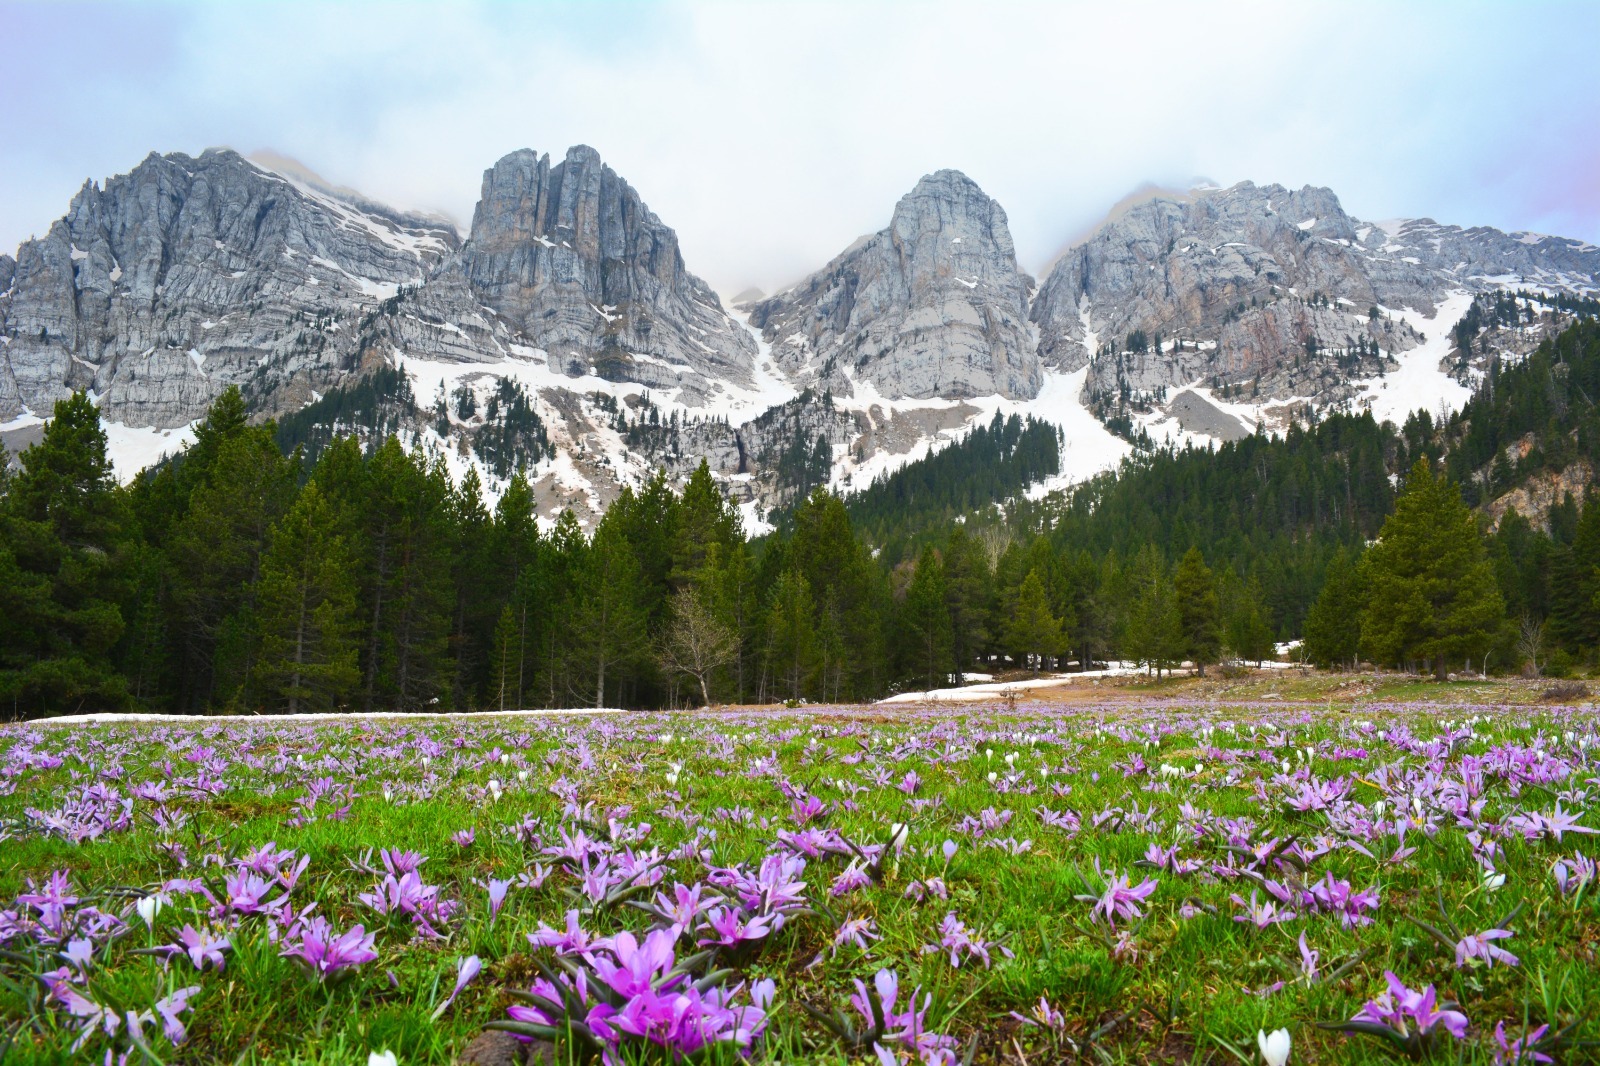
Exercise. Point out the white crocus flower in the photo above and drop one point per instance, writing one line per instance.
(148, 908)
(1274, 1046)
(382, 1058)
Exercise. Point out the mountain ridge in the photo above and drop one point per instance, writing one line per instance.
(568, 308)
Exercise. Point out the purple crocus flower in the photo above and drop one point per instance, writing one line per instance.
(201, 947)
(1121, 900)
(734, 927)
(900, 1031)
(324, 953)
(1407, 1012)
(1043, 1016)
(497, 890)
(1480, 946)
(462, 838)
(1522, 1049)
(961, 942)
(170, 1008)
(572, 941)
(1260, 914)
(855, 931)
(466, 970)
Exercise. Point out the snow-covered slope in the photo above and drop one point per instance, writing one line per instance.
(569, 311)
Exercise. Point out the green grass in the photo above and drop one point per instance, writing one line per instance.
(1177, 993)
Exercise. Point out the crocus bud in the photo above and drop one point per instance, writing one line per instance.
(1274, 1046)
(148, 908)
(898, 832)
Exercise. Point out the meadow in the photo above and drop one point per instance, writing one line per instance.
(1158, 880)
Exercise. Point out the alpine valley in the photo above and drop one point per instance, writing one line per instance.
(565, 335)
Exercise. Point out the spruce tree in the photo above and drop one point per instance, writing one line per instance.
(1153, 630)
(1430, 591)
(503, 660)
(969, 597)
(1333, 625)
(1249, 632)
(608, 619)
(791, 637)
(1196, 591)
(307, 610)
(1034, 632)
(61, 539)
(927, 620)
(241, 485)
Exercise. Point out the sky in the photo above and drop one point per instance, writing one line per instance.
(771, 135)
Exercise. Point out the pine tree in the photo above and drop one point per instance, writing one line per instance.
(1034, 632)
(791, 633)
(241, 485)
(1430, 592)
(927, 620)
(1249, 632)
(608, 620)
(707, 522)
(1333, 625)
(503, 659)
(61, 539)
(474, 624)
(1153, 631)
(307, 611)
(968, 598)
(516, 547)
(1196, 591)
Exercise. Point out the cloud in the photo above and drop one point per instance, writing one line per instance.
(771, 134)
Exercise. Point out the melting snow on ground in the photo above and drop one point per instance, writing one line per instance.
(1418, 382)
(132, 448)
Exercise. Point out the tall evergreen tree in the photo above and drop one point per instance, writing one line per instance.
(1333, 625)
(1249, 632)
(308, 625)
(1034, 632)
(241, 485)
(61, 529)
(1198, 612)
(968, 598)
(1153, 631)
(926, 616)
(608, 619)
(791, 633)
(1430, 592)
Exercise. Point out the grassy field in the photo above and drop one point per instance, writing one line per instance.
(1152, 874)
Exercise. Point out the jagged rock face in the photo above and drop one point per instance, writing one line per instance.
(1247, 276)
(188, 275)
(574, 263)
(933, 306)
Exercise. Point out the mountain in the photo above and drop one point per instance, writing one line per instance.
(167, 284)
(1280, 299)
(565, 335)
(932, 307)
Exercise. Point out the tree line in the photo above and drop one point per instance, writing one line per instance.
(238, 576)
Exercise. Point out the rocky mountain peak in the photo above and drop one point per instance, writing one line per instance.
(162, 286)
(932, 306)
(570, 257)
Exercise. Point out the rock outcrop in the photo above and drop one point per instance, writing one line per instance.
(187, 275)
(932, 306)
(1273, 290)
(575, 264)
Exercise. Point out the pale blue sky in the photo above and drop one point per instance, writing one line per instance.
(771, 134)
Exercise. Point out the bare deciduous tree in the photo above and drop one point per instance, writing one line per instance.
(1530, 644)
(695, 642)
